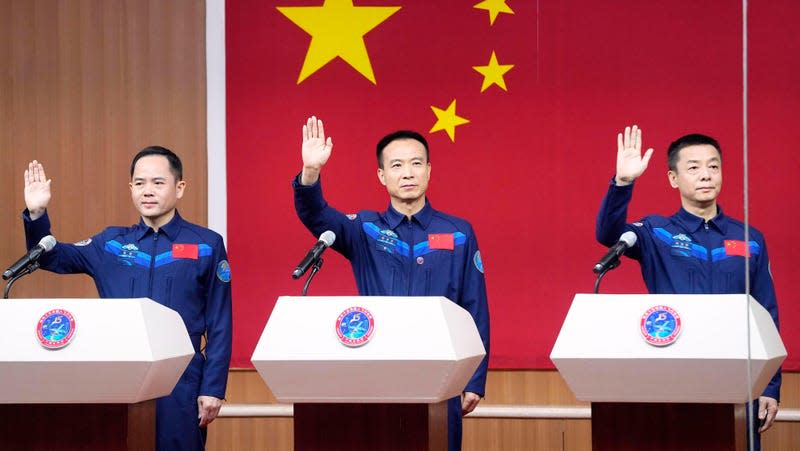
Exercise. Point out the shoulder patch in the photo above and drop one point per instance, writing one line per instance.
(478, 261)
(85, 242)
(224, 271)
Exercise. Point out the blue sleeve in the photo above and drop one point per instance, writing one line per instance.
(65, 258)
(763, 290)
(612, 218)
(474, 300)
(315, 213)
(613, 213)
(219, 325)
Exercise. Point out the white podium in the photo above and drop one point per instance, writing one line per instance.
(727, 350)
(391, 391)
(95, 392)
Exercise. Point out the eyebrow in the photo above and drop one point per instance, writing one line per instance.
(136, 179)
(400, 160)
(712, 159)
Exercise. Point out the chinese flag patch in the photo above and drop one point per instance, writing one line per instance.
(184, 251)
(736, 247)
(441, 241)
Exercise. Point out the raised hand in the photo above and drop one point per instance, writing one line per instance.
(37, 189)
(630, 161)
(316, 150)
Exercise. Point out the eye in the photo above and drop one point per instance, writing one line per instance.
(395, 165)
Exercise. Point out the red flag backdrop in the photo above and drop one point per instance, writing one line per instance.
(545, 87)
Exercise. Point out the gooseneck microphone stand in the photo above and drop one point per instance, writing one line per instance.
(314, 270)
(29, 269)
(603, 273)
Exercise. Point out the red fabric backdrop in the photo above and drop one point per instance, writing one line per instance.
(532, 164)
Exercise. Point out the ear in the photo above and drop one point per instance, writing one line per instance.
(381, 177)
(673, 178)
(179, 187)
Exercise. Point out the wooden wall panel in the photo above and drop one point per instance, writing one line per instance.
(84, 85)
(480, 434)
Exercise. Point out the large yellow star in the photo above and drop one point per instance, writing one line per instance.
(447, 120)
(494, 7)
(337, 28)
(493, 73)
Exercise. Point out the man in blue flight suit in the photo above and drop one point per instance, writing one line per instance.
(165, 258)
(408, 250)
(698, 249)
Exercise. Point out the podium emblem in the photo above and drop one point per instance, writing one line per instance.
(661, 325)
(55, 329)
(354, 326)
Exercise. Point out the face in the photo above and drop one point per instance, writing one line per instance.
(406, 170)
(698, 176)
(154, 190)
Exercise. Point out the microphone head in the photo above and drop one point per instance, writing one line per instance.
(48, 243)
(328, 238)
(628, 238)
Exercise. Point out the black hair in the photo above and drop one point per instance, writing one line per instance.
(400, 134)
(175, 165)
(693, 139)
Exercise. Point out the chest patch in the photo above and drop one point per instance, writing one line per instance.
(445, 241)
(127, 254)
(681, 245)
(185, 251)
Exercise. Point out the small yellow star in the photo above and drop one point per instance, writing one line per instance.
(494, 7)
(447, 120)
(337, 28)
(493, 73)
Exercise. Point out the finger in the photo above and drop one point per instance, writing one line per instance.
(646, 157)
(329, 144)
(627, 139)
(638, 144)
(620, 145)
(307, 128)
(42, 175)
(314, 129)
(321, 129)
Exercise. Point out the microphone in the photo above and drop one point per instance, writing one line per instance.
(611, 259)
(45, 245)
(325, 240)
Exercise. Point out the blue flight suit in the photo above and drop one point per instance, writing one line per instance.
(685, 254)
(393, 256)
(182, 266)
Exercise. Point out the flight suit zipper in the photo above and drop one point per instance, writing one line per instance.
(152, 266)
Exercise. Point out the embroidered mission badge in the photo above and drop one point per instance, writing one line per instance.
(55, 329)
(354, 326)
(660, 325)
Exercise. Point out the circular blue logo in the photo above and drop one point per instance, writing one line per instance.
(55, 329)
(224, 271)
(660, 325)
(354, 326)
